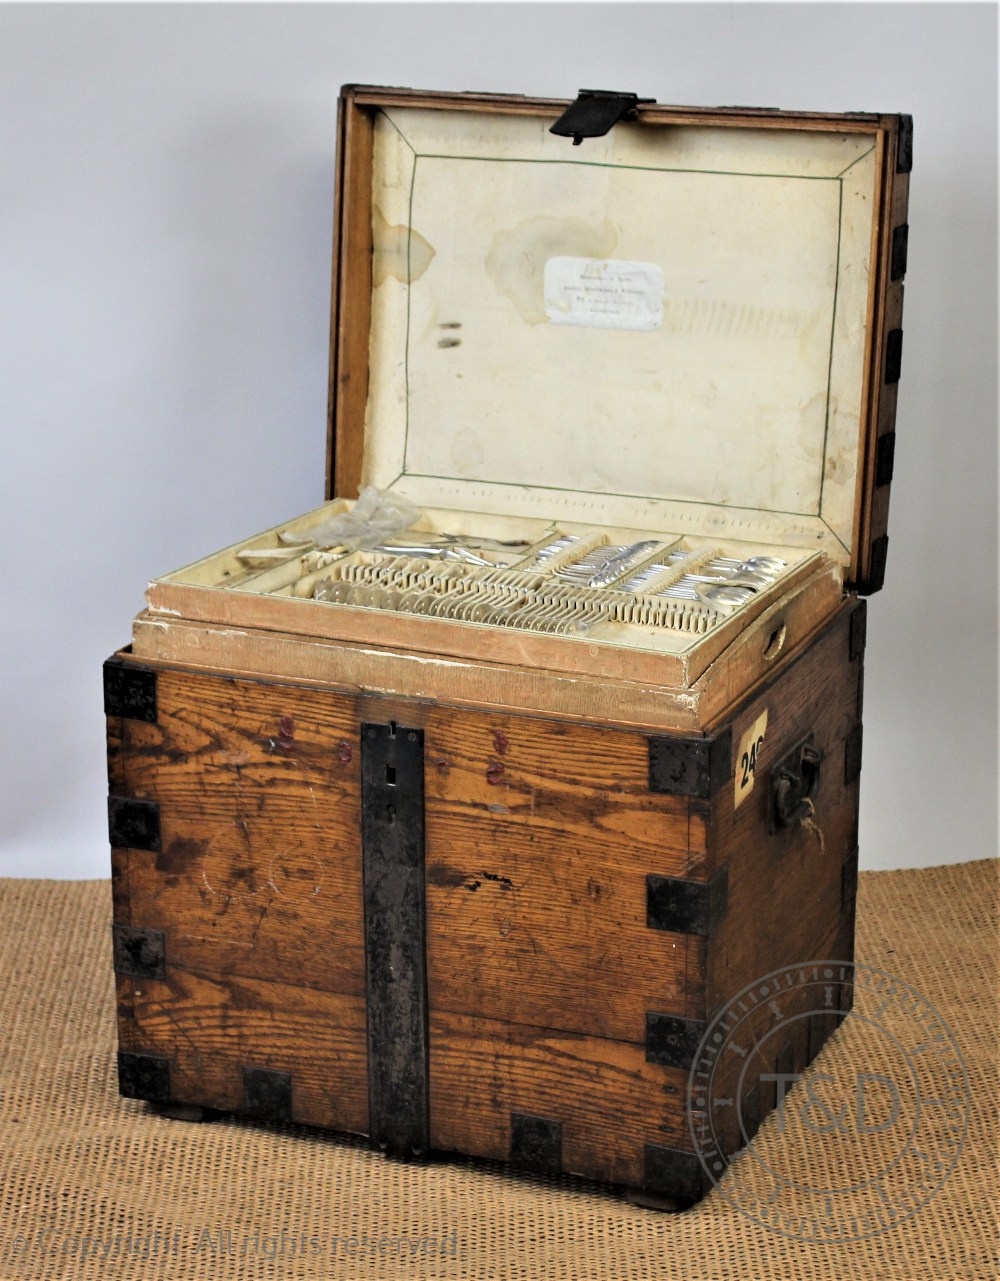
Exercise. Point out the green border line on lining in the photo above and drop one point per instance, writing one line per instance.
(833, 533)
(409, 295)
(857, 161)
(609, 493)
(648, 498)
(838, 178)
(385, 115)
(829, 367)
(601, 164)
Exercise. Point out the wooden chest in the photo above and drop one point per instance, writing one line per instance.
(450, 817)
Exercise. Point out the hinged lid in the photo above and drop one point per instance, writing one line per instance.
(691, 323)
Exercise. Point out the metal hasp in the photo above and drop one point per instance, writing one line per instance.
(392, 841)
(595, 113)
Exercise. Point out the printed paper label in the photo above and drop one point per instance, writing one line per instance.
(604, 293)
(748, 757)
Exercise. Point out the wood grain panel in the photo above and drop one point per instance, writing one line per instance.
(766, 1041)
(539, 838)
(611, 1102)
(259, 871)
(589, 785)
(210, 1026)
(655, 113)
(816, 692)
(470, 682)
(784, 896)
(514, 687)
(545, 935)
(351, 301)
(785, 887)
(172, 597)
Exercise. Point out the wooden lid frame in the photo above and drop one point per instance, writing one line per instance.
(351, 341)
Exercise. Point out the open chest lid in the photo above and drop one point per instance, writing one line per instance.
(691, 322)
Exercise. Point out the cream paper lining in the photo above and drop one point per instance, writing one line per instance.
(737, 413)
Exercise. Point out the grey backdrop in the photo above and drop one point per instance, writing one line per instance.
(165, 214)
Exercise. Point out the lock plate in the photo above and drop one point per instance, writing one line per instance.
(794, 782)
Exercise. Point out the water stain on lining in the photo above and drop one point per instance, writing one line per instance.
(517, 257)
(398, 251)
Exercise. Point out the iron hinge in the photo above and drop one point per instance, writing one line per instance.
(893, 356)
(900, 239)
(885, 455)
(904, 151)
(876, 569)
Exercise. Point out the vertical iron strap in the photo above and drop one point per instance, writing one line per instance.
(392, 836)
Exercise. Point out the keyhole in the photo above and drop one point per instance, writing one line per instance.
(392, 729)
(390, 813)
